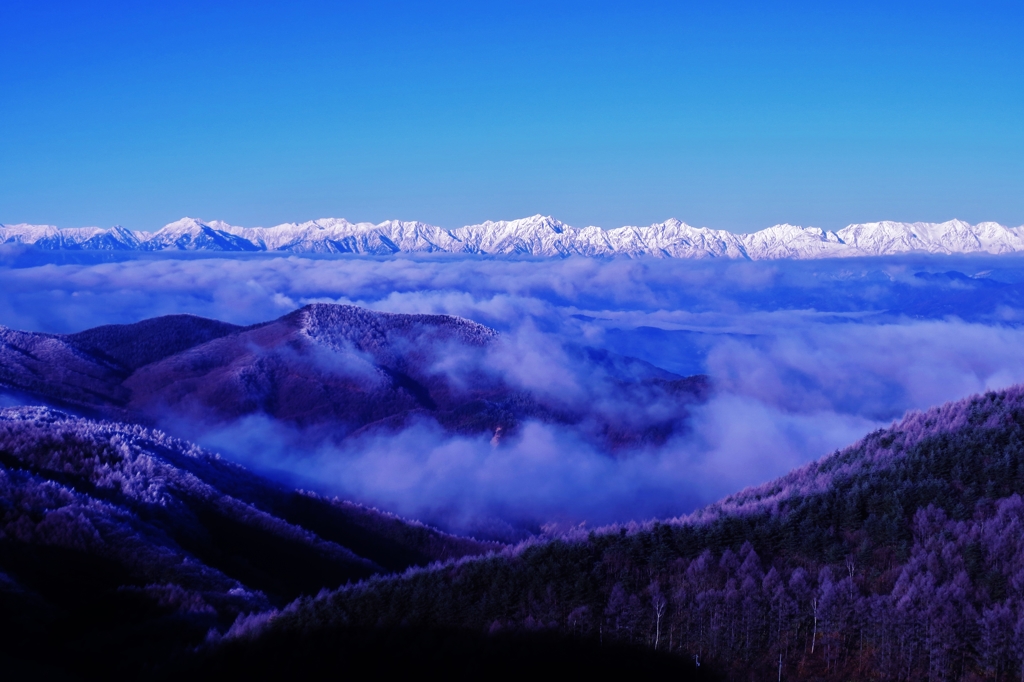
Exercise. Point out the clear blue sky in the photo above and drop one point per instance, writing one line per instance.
(730, 115)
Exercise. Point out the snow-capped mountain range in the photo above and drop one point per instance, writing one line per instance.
(536, 236)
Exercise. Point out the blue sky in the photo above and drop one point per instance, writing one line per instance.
(730, 115)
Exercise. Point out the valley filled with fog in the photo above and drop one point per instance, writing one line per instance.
(802, 357)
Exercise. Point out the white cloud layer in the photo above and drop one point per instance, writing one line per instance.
(806, 358)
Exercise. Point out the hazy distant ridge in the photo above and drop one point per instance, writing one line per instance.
(537, 236)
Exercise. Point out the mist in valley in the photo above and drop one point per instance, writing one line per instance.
(803, 358)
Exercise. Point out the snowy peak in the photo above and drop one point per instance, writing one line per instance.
(538, 235)
(50, 237)
(953, 236)
(342, 326)
(23, 233)
(791, 241)
(189, 234)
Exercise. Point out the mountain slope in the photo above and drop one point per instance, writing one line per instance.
(87, 370)
(535, 236)
(141, 343)
(329, 371)
(901, 556)
(322, 364)
(52, 367)
(111, 532)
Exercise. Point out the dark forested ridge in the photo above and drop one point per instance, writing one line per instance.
(898, 558)
(139, 344)
(121, 547)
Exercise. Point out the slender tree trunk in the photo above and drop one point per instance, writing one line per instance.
(657, 630)
(814, 634)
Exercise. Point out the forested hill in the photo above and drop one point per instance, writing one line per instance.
(900, 557)
(121, 547)
(329, 371)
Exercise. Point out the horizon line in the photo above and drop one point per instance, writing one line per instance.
(213, 223)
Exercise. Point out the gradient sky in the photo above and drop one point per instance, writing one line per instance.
(730, 115)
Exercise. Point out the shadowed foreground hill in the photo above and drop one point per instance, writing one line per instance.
(413, 653)
(120, 546)
(898, 558)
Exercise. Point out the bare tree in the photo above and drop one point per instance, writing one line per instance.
(658, 604)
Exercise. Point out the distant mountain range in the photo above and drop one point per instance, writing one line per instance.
(535, 236)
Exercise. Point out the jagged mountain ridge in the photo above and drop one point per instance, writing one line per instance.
(536, 236)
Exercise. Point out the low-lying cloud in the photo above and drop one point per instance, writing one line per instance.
(805, 357)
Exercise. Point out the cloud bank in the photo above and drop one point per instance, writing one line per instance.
(805, 356)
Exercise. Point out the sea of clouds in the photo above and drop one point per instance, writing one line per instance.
(805, 357)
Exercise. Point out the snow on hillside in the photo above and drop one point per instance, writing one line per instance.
(535, 236)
